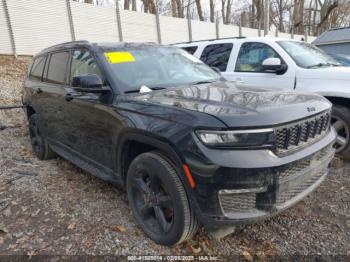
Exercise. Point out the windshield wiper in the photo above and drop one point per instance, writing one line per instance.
(204, 82)
(322, 65)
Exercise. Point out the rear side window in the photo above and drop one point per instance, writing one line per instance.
(190, 49)
(37, 68)
(57, 68)
(84, 63)
(217, 55)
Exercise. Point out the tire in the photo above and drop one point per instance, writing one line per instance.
(158, 200)
(341, 123)
(39, 145)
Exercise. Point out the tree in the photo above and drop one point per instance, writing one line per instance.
(180, 9)
(149, 6)
(279, 12)
(212, 10)
(173, 8)
(298, 16)
(228, 11)
(88, 1)
(326, 9)
(199, 10)
(257, 13)
(226, 8)
(126, 4)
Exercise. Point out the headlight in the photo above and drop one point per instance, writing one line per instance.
(237, 138)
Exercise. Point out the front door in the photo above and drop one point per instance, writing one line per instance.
(93, 122)
(248, 68)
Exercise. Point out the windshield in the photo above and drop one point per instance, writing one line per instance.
(343, 59)
(306, 55)
(157, 67)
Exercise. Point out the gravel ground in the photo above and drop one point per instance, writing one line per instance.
(54, 208)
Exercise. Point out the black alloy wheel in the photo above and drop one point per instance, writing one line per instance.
(158, 200)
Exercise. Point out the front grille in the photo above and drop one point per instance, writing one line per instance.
(299, 135)
(242, 202)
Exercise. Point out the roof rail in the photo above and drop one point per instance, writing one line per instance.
(48, 49)
(73, 42)
(213, 39)
(338, 28)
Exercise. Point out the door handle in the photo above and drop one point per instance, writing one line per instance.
(239, 81)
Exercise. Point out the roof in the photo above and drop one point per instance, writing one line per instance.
(265, 39)
(333, 36)
(102, 45)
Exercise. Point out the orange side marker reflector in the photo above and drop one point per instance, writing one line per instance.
(189, 176)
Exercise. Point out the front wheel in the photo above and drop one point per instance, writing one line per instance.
(341, 123)
(158, 200)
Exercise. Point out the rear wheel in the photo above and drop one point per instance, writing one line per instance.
(341, 123)
(159, 201)
(40, 147)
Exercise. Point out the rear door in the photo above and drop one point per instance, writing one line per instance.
(51, 94)
(217, 55)
(34, 85)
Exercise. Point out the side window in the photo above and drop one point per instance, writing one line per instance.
(36, 72)
(57, 68)
(251, 56)
(190, 49)
(84, 63)
(217, 55)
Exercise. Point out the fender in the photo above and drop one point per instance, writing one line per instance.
(150, 139)
(342, 95)
(163, 145)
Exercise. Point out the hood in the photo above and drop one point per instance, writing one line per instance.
(240, 106)
(327, 73)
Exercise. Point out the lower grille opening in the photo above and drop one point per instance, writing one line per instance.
(296, 179)
(285, 196)
(242, 202)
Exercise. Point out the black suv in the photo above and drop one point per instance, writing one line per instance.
(188, 146)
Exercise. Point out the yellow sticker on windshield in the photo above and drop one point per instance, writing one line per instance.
(119, 57)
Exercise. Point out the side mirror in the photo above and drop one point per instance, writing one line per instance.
(274, 65)
(88, 83)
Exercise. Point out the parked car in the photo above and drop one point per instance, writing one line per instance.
(342, 59)
(283, 63)
(189, 147)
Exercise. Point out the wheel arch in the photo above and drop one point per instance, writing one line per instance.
(336, 100)
(145, 142)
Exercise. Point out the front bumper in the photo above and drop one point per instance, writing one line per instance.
(235, 196)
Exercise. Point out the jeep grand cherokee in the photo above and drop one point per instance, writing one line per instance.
(189, 147)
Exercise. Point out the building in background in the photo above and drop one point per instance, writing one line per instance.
(335, 41)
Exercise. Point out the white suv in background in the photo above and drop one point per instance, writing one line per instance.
(282, 63)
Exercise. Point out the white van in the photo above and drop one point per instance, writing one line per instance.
(282, 63)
